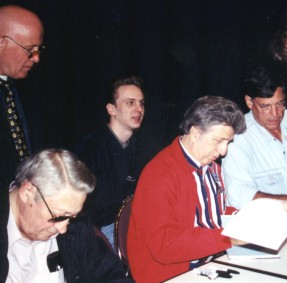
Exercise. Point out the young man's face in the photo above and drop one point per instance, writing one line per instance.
(207, 146)
(128, 110)
(268, 112)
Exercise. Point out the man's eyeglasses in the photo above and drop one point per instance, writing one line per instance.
(54, 219)
(280, 106)
(31, 53)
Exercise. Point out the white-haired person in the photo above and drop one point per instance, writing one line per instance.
(42, 238)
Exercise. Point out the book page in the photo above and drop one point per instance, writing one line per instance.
(250, 251)
(262, 222)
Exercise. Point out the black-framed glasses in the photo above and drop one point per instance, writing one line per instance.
(31, 53)
(54, 218)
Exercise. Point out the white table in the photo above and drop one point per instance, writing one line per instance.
(277, 266)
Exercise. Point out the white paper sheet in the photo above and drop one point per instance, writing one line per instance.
(262, 222)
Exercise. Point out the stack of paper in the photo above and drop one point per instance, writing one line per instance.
(262, 222)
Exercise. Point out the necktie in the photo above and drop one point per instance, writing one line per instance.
(14, 122)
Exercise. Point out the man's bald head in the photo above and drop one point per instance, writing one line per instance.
(21, 34)
(15, 19)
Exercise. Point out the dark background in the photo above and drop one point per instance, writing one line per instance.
(183, 49)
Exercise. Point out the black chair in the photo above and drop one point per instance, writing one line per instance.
(121, 231)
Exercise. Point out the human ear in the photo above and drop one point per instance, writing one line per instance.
(248, 101)
(194, 133)
(111, 109)
(26, 191)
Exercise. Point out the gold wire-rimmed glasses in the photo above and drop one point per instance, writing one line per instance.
(280, 106)
(30, 51)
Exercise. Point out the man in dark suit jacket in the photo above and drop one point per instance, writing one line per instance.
(21, 36)
(41, 238)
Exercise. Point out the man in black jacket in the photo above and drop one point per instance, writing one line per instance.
(21, 37)
(111, 153)
(36, 243)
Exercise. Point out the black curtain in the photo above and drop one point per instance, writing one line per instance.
(183, 49)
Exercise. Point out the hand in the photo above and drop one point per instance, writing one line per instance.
(236, 242)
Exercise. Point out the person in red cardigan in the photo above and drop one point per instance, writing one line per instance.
(175, 222)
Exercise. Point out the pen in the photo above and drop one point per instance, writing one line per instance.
(233, 271)
(212, 273)
(223, 274)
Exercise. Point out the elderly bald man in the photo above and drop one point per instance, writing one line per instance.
(21, 37)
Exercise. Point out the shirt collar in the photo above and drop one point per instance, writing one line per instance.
(3, 77)
(123, 145)
(192, 158)
(13, 231)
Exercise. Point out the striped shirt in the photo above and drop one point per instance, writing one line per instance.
(210, 191)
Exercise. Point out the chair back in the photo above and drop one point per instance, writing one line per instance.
(101, 235)
(121, 230)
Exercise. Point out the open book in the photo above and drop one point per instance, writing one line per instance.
(262, 222)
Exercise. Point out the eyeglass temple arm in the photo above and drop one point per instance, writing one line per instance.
(42, 197)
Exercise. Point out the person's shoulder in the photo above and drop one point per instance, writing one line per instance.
(249, 120)
(251, 126)
(165, 159)
(81, 229)
(92, 143)
(94, 137)
(97, 133)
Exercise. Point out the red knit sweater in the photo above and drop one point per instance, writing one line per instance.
(162, 238)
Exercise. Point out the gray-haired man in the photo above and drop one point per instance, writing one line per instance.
(36, 243)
